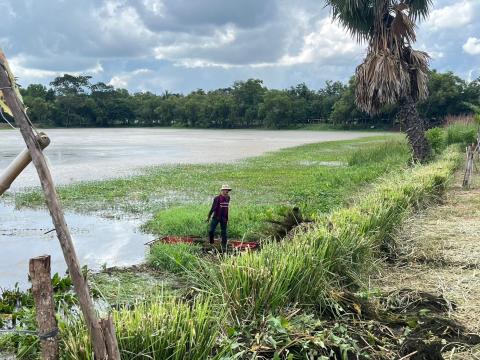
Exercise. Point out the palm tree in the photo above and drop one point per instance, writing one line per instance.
(392, 72)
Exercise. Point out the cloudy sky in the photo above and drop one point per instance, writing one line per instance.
(182, 45)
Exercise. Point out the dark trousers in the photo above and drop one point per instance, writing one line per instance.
(223, 227)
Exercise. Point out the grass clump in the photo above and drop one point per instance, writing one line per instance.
(463, 134)
(457, 133)
(176, 258)
(166, 328)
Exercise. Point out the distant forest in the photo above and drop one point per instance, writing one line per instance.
(74, 101)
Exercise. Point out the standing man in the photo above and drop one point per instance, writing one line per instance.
(220, 214)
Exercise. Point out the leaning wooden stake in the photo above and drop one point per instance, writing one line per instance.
(19, 164)
(56, 211)
(42, 291)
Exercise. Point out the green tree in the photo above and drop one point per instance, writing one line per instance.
(277, 109)
(446, 96)
(248, 96)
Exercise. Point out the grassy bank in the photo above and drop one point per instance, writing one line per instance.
(308, 273)
(316, 177)
(335, 252)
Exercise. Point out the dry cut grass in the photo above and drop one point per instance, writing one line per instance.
(440, 252)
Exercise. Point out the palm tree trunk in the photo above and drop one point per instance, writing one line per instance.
(414, 127)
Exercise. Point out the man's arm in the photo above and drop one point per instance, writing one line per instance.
(212, 209)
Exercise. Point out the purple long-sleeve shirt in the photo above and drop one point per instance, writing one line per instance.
(220, 208)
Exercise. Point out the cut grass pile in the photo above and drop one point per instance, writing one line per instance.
(316, 177)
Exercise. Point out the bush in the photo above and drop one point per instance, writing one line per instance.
(173, 257)
(463, 134)
(437, 139)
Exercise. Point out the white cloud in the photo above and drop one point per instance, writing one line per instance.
(23, 72)
(156, 7)
(328, 40)
(186, 45)
(122, 81)
(27, 73)
(472, 46)
(452, 16)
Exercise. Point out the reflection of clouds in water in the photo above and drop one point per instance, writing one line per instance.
(97, 241)
(110, 251)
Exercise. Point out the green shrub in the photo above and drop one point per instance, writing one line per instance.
(437, 139)
(463, 134)
(176, 258)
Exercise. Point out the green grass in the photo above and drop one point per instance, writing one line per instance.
(166, 328)
(457, 133)
(316, 177)
(176, 258)
(336, 252)
(127, 286)
(308, 270)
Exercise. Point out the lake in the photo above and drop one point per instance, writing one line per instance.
(90, 154)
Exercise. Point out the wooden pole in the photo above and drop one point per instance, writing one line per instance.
(467, 178)
(110, 338)
(42, 291)
(56, 211)
(19, 164)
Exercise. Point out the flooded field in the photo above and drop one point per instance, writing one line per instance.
(88, 154)
(99, 242)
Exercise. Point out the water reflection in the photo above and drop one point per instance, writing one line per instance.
(97, 241)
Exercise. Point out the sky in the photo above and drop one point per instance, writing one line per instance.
(184, 45)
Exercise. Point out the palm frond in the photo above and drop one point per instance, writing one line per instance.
(418, 9)
(382, 79)
(356, 16)
(403, 26)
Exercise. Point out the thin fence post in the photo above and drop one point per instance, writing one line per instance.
(42, 290)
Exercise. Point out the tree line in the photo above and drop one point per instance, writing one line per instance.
(74, 101)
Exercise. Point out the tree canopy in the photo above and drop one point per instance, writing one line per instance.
(74, 101)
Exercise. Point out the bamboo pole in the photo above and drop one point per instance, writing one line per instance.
(42, 290)
(19, 164)
(56, 211)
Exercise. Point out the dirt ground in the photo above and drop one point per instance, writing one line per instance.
(440, 253)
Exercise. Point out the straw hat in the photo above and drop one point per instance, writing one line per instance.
(226, 187)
